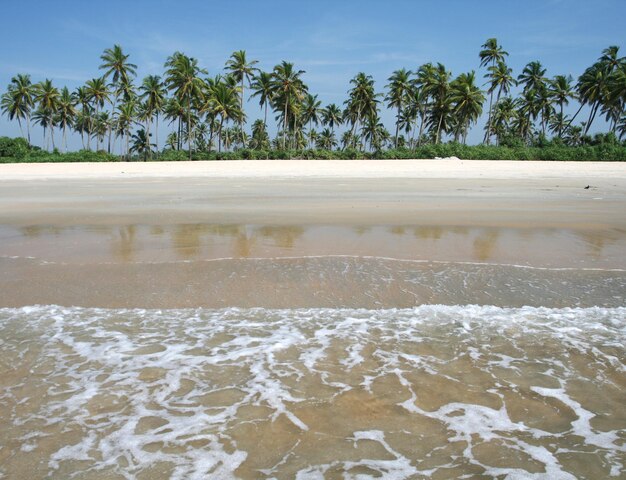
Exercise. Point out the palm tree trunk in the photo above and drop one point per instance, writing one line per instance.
(397, 126)
(156, 134)
(487, 138)
(28, 127)
(265, 119)
(64, 138)
(52, 136)
(219, 134)
(21, 129)
(285, 124)
(438, 139)
(111, 126)
(189, 129)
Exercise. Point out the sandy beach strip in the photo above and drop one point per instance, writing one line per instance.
(437, 168)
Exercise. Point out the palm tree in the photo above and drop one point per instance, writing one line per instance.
(182, 76)
(561, 91)
(141, 144)
(362, 101)
(311, 111)
(501, 79)
(399, 89)
(19, 101)
(504, 114)
(532, 77)
(260, 139)
(326, 140)
(437, 86)
(263, 87)
(125, 120)
(242, 70)
(491, 53)
(84, 120)
(47, 96)
(223, 103)
(468, 101)
(331, 116)
(153, 94)
(98, 92)
(66, 112)
(289, 90)
(116, 65)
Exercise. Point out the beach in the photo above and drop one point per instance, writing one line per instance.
(276, 319)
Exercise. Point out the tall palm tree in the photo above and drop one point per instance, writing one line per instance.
(289, 91)
(125, 119)
(116, 66)
(98, 93)
(362, 102)
(533, 76)
(223, 102)
(437, 86)
(242, 70)
(501, 79)
(399, 89)
(153, 94)
(19, 101)
(468, 101)
(182, 76)
(491, 54)
(331, 116)
(561, 91)
(311, 110)
(66, 113)
(262, 86)
(84, 122)
(47, 96)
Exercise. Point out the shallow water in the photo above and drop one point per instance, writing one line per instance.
(426, 392)
(399, 351)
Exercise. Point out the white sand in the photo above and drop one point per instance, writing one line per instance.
(445, 168)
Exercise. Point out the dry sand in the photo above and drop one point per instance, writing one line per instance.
(439, 168)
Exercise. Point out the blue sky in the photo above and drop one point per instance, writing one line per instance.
(330, 40)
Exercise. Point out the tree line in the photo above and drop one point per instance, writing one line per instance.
(207, 112)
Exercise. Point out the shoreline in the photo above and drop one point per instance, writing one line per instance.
(417, 168)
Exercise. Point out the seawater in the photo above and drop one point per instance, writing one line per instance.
(434, 391)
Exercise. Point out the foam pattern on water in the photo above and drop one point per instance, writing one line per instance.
(440, 391)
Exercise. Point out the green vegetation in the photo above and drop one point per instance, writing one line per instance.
(434, 111)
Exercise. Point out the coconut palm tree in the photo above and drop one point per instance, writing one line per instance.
(262, 86)
(125, 119)
(437, 86)
(561, 91)
(260, 139)
(467, 100)
(311, 111)
(501, 79)
(289, 90)
(362, 102)
(121, 72)
(98, 93)
(399, 89)
(332, 116)
(19, 101)
(491, 54)
(141, 144)
(533, 76)
(326, 140)
(182, 77)
(174, 111)
(153, 94)
(223, 102)
(241, 70)
(66, 113)
(47, 97)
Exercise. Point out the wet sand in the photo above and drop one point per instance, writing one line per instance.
(160, 235)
